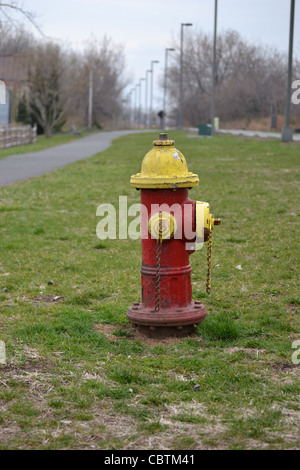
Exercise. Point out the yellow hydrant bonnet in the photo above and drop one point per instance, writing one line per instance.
(164, 167)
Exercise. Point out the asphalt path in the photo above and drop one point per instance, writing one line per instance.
(262, 134)
(21, 167)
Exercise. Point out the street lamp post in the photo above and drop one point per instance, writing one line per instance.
(132, 110)
(287, 132)
(90, 111)
(134, 107)
(138, 95)
(180, 116)
(214, 72)
(127, 112)
(165, 85)
(146, 98)
(124, 113)
(151, 91)
(140, 100)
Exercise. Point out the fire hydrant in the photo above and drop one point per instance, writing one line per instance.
(171, 227)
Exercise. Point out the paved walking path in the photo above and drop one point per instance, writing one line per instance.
(20, 167)
(263, 134)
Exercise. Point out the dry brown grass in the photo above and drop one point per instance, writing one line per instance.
(262, 124)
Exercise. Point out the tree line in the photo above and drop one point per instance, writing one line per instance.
(250, 78)
(57, 88)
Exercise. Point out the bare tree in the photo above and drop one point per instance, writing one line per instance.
(46, 79)
(12, 11)
(58, 79)
(250, 79)
(106, 61)
(15, 41)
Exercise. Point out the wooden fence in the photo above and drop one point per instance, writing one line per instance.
(17, 135)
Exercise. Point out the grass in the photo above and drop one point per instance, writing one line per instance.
(78, 378)
(41, 143)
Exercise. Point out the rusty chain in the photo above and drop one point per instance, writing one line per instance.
(209, 255)
(157, 276)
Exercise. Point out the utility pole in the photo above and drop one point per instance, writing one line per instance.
(90, 112)
(146, 98)
(287, 131)
(135, 108)
(151, 91)
(132, 109)
(180, 114)
(214, 72)
(165, 86)
(140, 101)
(138, 98)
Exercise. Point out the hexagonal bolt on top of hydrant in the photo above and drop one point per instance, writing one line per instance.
(163, 136)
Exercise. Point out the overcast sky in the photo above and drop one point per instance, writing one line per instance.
(146, 27)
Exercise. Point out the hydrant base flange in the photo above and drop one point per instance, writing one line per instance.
(165, 332)
(192, 314)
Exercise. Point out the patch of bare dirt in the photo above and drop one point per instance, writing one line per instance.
(294, 307)
(255, 296)
(28, 366)
(8, 431)
(51, 298)
(30, 361)
(136, 335)
(284, 372)
(286, 368)
(176, 428)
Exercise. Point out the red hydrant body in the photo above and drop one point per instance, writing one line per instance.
(169, 231)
